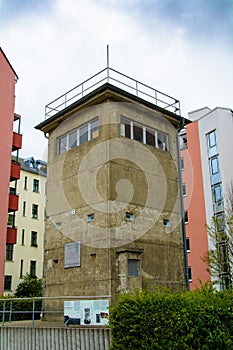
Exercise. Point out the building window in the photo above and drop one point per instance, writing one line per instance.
(73, 139)
(33, 239)
(186, 218)
(78, 136)
(184, 189)
(22, 237)
(35, 185)
(212, 143)
(129, 216)
(182, 163)
(25, 182)
(190, 273)
(188, 244)
(94, 129)
(24, 208)
(7, 282)
(133, 267)
(21, 269)
(162, 141)
(34, 211)
(166, 223)
(62, 144)
(135, 131)
(33, 268)
(90, 217)
(83, 134)
(183, 142)
(9, 252)
(10, 221)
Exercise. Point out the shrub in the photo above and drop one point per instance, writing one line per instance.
(202, 319)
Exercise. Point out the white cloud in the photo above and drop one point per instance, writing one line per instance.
(56, 50)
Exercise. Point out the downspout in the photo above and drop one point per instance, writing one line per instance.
(182, 208)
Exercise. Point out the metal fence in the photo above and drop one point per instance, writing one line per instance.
(42, 308)
(112, 76)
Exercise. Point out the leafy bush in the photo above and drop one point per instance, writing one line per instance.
(22, 309)
(202, 319)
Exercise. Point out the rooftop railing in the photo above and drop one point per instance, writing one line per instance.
(109, 75)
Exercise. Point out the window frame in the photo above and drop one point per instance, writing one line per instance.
(36, 185)
(33, 268)
(133, 270)
(91, 132)
(9, 281)
(9, 252)
(34, 236)
(127, 129)
(35, 211)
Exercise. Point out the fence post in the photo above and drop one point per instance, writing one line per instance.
(3, 313)
(33, 313)
(10, 312)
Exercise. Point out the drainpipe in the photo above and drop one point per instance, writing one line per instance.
(182, 208)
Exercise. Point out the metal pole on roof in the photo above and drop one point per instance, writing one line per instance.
(107, 63)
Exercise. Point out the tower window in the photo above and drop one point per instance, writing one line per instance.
(133, 267)
(90, 217)
(129, 216)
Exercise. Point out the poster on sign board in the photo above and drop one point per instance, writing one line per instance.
(86, 312)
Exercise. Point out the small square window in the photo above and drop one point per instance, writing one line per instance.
(166, 223)
(188, 244)
(184, 189)
(129, 216)
(190, 273)
(182, 163)
(90, 217)
(133, 267)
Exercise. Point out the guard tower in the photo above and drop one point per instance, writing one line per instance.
(113, 195)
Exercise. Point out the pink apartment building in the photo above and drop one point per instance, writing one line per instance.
(10, 143)
(194, 205)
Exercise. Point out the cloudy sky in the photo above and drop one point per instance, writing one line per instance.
(181, 47)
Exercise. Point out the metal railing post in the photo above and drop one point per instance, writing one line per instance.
(10, 312)
(33, 313)
(3, 313)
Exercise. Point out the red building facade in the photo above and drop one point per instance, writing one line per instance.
(10, 143)
(194, 206)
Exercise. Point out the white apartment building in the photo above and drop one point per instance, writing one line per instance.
(216, 144)
(26, 256)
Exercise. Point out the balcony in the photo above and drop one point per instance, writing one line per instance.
(15, 171)
(11, 237)
(13, 202)
(17, 141)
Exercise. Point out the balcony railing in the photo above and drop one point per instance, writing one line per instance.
(17, 141)
(15, 171)
(11, 237)
(109, 75)
(13, 202)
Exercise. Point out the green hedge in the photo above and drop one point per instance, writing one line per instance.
(202, 319)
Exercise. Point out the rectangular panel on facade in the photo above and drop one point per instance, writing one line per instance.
(72, 254)
(86, 312)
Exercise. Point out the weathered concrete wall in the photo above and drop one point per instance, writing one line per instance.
(109, 176)
(12, 338)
